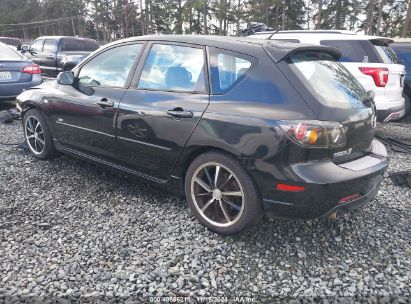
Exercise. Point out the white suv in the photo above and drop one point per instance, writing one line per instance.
(369, 58)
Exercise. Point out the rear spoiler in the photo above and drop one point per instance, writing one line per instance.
(279, 51)
(381, 41)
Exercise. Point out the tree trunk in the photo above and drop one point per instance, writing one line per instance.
(205, 18)
(382, 3)
(319, 15)
(142, 18)
(238, 16)
(404, 32)
(370, 18)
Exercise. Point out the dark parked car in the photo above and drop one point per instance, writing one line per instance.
(239, 126)
(16, 73)
(53, 53)
(16, 42)
(403, 50)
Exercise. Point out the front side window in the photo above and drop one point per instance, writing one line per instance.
(37, 46)
(328, 80)
(174, 67)
(50, 45)
(110, 68)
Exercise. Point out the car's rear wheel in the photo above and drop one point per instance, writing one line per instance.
(407, 103)
(221, 194)
(37, 135)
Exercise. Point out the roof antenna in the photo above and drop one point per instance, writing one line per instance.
(269, 37)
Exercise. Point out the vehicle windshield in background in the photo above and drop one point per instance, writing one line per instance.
(354, 50)
(6, 53)
(386, 53)
(328, 80)
(404, 53)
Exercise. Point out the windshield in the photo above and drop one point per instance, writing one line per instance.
(386, 53)
(328, 80)
(7, 53)
(404, 53)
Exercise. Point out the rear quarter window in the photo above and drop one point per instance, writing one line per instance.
(228, 69)
(387, 54)
(354, 50)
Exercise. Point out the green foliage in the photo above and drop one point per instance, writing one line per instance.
(107, 20)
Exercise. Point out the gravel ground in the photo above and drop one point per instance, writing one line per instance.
(70, 230)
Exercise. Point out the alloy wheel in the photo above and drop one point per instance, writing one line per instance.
(34, 135)
(217, 194)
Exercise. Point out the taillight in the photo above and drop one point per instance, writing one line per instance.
(314, 133)
(31, 69)
(380, 75)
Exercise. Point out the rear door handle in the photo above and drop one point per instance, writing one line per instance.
(180, 113)
(105, 103)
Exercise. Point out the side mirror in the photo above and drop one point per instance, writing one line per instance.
(25, 48)
(65, 78)
(370, 94)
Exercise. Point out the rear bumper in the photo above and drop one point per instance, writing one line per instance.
(391, 114)
(10, 91)
(328, 187)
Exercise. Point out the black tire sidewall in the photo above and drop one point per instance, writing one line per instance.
(407, 102)
(252, 201)
(49, 149)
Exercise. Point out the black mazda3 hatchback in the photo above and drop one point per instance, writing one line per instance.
(240, 127)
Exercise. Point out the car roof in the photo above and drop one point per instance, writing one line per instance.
(324, 35)
(60, 37)
(278, 50)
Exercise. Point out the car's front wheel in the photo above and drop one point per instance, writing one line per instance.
(37, 135)
(221, 194)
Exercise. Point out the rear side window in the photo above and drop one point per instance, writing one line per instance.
(174, 68)
(7, 53)
(354, 50)
(328, 80)
(50, 45)
(386, 53)
(227, 69)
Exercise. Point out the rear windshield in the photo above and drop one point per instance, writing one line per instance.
(354, 50)
(328, 80)
(386, 53)
(7, 53)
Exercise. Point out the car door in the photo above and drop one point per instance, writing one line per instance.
(162, 107)
(84, 114)
(46, 58)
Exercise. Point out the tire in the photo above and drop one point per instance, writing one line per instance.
(37, 135)
(407, 103)
(225, 214)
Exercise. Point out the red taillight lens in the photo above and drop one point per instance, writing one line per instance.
(31, 69)
(380, 75)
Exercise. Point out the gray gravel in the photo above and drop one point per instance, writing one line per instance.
(71, 230)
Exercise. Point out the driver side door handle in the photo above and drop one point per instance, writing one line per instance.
(105, 103)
